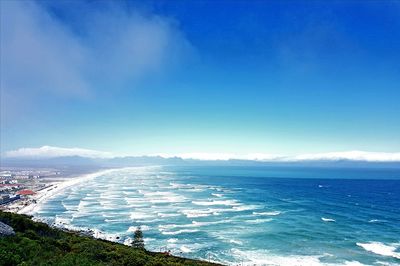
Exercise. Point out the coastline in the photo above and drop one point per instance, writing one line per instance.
(76, 249)
(218, 207)
(57, 187)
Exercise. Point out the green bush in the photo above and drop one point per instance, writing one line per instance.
(38, 244)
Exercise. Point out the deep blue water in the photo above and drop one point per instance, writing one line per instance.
(250, 215)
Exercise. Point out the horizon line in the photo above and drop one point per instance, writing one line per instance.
(46, 152)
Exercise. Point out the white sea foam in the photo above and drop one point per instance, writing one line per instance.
(271, 213)
(148, 221)
(106, 236)
(136, 202)
(327, 219)
(381, 249)
(177, 185)
(117, 220)
(216, 202)
(158, 194)
(245, 208)
(218, 195)
(258, 221)
(140, 215)
(142, 227)
(197, 213)
(263, 257)
(374, 221)
(49, 192)
(83, 204)
(68, 206)
(179, 232)
(128, 241)
(191, 225)
(237, 242)
(209, 223)
(168, 214)
(185, 249)
(348, 263)
(169, 199)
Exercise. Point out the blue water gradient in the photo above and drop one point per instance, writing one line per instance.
(249, 215)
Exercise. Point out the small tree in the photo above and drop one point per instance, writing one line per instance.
(138, 241)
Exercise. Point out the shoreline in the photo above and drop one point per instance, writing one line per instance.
(55, 188)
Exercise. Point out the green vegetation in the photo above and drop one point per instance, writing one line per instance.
(138, 241)
(38, 244)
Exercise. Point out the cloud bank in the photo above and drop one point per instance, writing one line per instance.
(44, 57)
(51, 152)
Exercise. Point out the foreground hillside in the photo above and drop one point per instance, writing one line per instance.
(36, 243)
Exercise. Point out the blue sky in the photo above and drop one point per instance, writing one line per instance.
(177, 77)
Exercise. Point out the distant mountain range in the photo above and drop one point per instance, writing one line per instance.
(79, 161)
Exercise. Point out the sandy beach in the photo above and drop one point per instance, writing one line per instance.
(48, 192)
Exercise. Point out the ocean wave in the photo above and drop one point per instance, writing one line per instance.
(106, 236)
(327, 219)
(148, 221)
(69, 206)
(168, 214)
(128, 241)
(271, 213)
(83, 204)
(237, 242)
(380, 249)
(177, 185)
(110, 204)
(185, 186)
(129, 193)
(132, 229)
(185, 249)
(169, 199)
(179, 232)
(210, 223)
(245, 208)
(375, 221)
(112, 220)
(159, 193)
(261, 257)
(258, 221)
(193, 224)
(216, 202)
(264, 257)
(197, 213)
(140, 215)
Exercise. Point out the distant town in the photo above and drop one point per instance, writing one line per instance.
(18, 186)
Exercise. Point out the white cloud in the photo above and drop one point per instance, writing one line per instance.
(51, 152)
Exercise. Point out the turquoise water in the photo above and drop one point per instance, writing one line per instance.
(249, 215)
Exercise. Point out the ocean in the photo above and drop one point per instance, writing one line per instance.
(243, 215)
